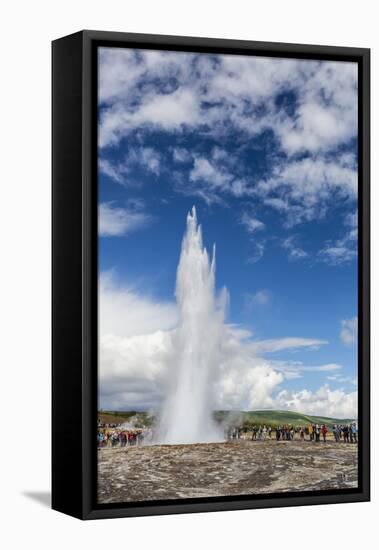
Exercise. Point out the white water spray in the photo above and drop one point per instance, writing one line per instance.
(187, 412)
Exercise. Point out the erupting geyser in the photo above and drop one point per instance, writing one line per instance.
(187, 412)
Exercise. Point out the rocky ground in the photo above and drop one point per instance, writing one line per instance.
(218, 469)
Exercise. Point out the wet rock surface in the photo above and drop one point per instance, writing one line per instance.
(218, 469)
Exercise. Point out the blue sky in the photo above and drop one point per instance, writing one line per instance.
(266, 150)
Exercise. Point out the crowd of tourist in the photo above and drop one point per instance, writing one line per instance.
(115, 435)
(348, 433)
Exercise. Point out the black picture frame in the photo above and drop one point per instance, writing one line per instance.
(74, 273)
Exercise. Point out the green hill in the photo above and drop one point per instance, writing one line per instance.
(138, 419)
(245, 419)
(276, 418)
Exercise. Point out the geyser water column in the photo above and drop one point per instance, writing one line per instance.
(187, 411)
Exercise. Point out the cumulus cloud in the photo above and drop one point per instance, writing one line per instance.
(134, 346)
(213, 177)
(306, 186)
(324, 401)
(327, 110)
(124, 311)
(349, 331)
(308, 112)
(133, 370)
(309, 107)
(203, 170)
(116, 221)
(172, 89)
(136, 358)
(146, 157)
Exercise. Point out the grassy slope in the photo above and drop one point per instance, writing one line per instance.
(276, 418)
(271, 418)
(118, 417)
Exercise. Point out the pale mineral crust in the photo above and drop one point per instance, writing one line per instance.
(218, 469)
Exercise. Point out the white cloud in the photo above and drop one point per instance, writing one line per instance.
(281, 344)
(115, 172)
(145, 158)
(138, 367)
(256, 246)
(262, 297)
(296, 369)
(136, 358)
(148, 90)
(203, 170)
(135, 343)
(324, 401)
(135, 86)
(132, 370)
(119, 71)
(349, 331)
(180, 154)
(251, 223)
(256, 251)
(170, 89)
(327, 109)
(219, 94)
(211, 176)
(124, 312)
(339, 378)
(324, 368)
(116, 221)
(247, 384)
(169, 111)
(351, 219)
(295, 252)
(306, 187)
(344, 250)
(337, 254)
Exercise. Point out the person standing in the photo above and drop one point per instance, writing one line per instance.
(311, 432)
(345, 431)
(264, 433)
(351, 433)
(317, 432)
(354, 432)
(336, 433)
(324, 431)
